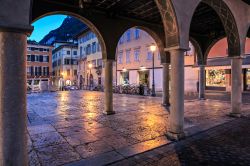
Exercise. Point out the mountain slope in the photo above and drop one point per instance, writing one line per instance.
(69, 28)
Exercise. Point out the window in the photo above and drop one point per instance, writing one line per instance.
(29, 70)
(29, 58)
(38, 71)
(94, 47)
(159, 55)
(216, 78)
(137, 33)
(120, 57)
(74, 61)
(128, 56)
(88, 49)
(40, 58)
(128, 35)
(67, 61)
(45, 71)
(149, 55)
(75, 53)
(75, 72)
(68, 52)
(81, 53)
(45, 58)
(36, 58)
(137, 55)
(68, 72)
(98, 47)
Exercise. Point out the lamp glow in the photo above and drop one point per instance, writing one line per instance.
(153, 47)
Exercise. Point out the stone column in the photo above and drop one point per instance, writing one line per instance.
(202, 82)
(108, 88)
(13, 135)
(177, 95)
(236, 91)
(165, 86)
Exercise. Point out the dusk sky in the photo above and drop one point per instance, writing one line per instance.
(44, 25)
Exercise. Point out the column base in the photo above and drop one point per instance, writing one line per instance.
(109, 112)
(202, 99)
(235, 115)
(175, 136)
(166, 105)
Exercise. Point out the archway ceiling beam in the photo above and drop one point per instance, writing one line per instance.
(246, 1)
(206, 22)
(145, 10)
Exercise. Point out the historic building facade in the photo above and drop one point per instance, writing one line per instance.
(134, 61)
(39, 66)
(90, 65)
(65, 64)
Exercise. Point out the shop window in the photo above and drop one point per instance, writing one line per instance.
(68, 72)
(248, 79)
(216, 78)
(125, 77)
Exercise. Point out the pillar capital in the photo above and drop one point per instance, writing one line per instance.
(176, 48)
(109, 60)
(237, 57)
(25, 29)
(165, 63)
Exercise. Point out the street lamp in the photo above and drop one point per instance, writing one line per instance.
(90, 66)
(153, 49)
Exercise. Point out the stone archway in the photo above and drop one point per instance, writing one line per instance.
(170, 22)
(230, 25)
(89, 24)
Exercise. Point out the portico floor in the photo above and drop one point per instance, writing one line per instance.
(70, 128)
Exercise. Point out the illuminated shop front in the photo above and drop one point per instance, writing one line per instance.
(216, 79)
(247, 79)
(124, 77)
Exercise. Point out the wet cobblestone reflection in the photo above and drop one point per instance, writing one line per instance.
(65, 127)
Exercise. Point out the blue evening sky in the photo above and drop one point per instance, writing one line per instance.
(44, 25)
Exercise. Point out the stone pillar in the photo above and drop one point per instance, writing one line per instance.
(202, 82)
(13, 139)
(236, 91)
(108, 88)
(165, 86)
(177, 95)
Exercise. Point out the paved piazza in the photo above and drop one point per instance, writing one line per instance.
(70, 128)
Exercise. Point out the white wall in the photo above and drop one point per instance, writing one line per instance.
(133, 77)
(158, 79)
(191, 78)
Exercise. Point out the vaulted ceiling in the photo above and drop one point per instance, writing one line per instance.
(145, 10)
(246, 1)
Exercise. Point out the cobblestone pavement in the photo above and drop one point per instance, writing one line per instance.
(227, 144)
(70, 128)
